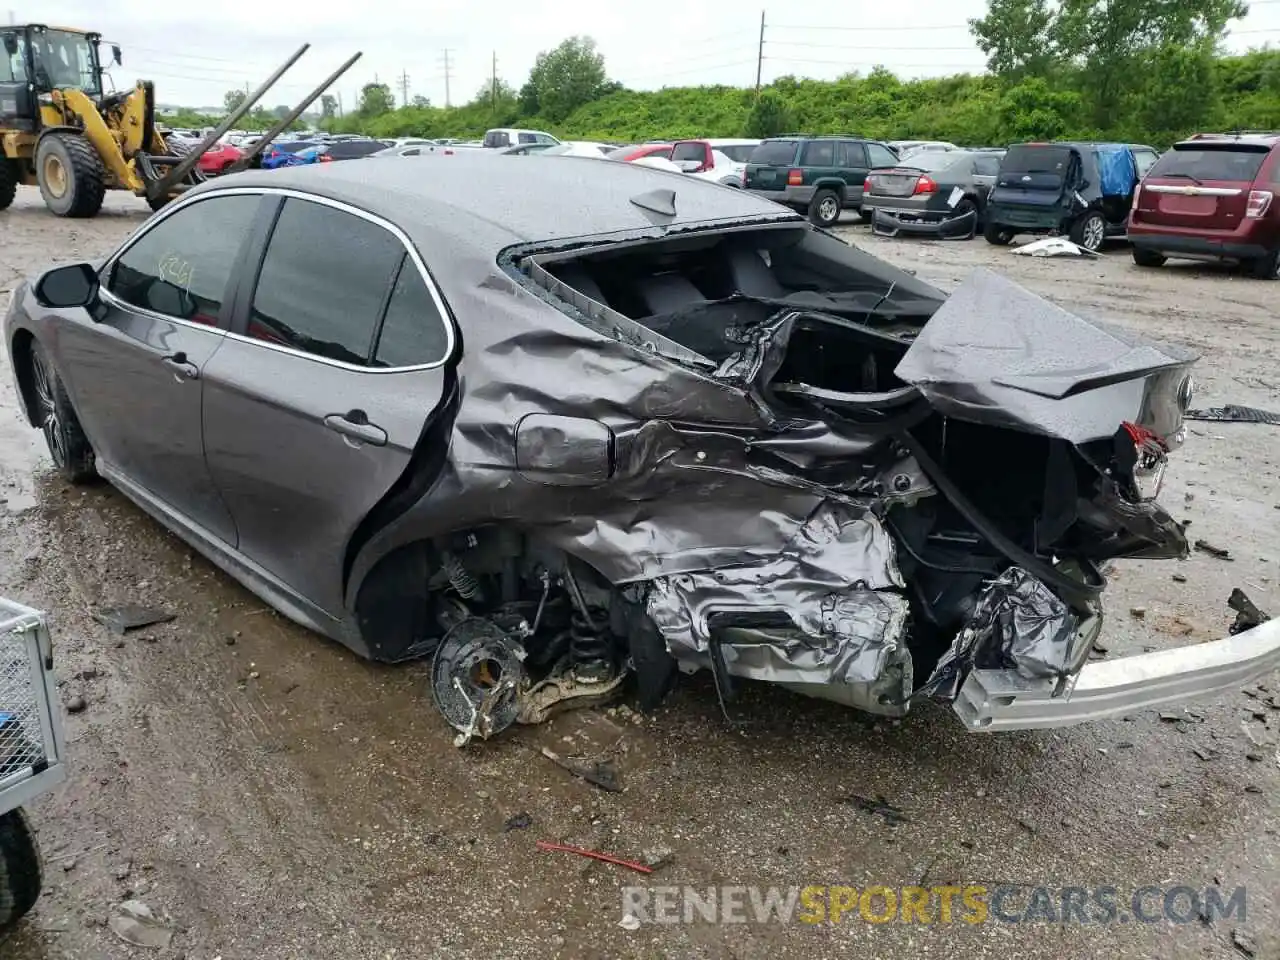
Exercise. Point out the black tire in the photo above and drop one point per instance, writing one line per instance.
(57, 420)
(1264, 268)
(995, 234)
(1148, 258)
(866, 216)
(8, 182)
(20, 868)
(1089, 232)
(77, 191)
(966, 206)
(825, 207)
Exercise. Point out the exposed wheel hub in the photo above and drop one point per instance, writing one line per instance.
(54, 176)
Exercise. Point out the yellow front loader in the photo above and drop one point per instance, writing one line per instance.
(61, 132)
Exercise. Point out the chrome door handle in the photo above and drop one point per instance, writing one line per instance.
(183, 369)
(355, 425)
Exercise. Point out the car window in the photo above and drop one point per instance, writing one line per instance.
(738, 152)
(13, 67)
(323, 282)
(497, 138)
(1029, 158)
(413, 331)
(180, 267)
(879, 155)
(544, 138)
(986, 165)
(526, 138)
(1229, 161)
(854, 154)
(819, 153)
(689, 150)
(774, 152)
(411, 152)
(1144, 160)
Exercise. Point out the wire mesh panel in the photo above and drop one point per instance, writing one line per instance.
(30, 738)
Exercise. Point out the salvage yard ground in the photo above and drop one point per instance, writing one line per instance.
(274, 797)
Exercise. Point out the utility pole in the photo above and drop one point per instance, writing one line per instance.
(339, 92)
(447, 75)
(760, 54)
(493, 84)
(404, 88)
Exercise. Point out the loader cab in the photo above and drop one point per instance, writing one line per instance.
(36, 59)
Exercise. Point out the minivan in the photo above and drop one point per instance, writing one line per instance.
(1211, 197)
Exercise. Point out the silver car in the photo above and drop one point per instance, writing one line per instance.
(556, 424)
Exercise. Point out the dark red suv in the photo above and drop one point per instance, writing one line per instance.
(1211, 197)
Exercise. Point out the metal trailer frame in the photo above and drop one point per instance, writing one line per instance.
(32, 748)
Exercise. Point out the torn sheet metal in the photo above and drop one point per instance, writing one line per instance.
(1054, 247)
(833, 584)
(887, 223)
(1019, 624)
(995, 353)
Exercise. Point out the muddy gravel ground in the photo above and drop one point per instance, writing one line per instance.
(274, 797)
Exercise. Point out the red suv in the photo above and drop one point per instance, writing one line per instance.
(1211, 197)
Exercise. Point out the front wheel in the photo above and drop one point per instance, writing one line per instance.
(824, 209)
(71, 176)
(20, 873)
(995, 234)
(57, 420)
(1089, 232)
(8, 182)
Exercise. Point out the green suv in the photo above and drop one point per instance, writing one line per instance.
(818, 175)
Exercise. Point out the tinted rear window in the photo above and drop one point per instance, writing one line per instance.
(1036, 160)
(1213, 163)
(497, 138)
(689, 151)
(739, 153)
(935, 160)
(775, 151)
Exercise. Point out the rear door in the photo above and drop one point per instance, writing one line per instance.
(769, 164)
(1202, 184)
(332, 371)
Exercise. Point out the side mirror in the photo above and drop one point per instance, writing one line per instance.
(564, 451)
(75, 285)
(11, 44)
(115, 54)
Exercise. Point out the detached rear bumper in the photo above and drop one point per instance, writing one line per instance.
(1002, 700)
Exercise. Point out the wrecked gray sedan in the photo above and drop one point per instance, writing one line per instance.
(580, 422)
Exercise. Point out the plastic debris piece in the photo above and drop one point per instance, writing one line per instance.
(1232, 413)
(1053, 247)
(131, 616)
(1248, 616)
(135, 924)
(1204, 546)
(521, 821)
(594, 855)
(600, 772)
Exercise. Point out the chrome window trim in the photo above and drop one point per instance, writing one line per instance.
(1193, 191)
(165, 213)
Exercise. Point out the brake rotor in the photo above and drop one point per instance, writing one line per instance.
(476, 678)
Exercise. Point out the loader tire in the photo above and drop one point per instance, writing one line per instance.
(176, 150)
(20, 869)
(71, 175)
(8, 182)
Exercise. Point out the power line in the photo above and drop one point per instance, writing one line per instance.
(948, 26)
(843, 46)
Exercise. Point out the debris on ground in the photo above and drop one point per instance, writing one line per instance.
(76, 704)
(1232, 413)
(630, 922)
(1053, 247)
(657, 857)
(136, 924)
(594, 855)
(1204, 546)
(521, 821)
(131, 616)
(1138, 613)
(602, 772)
(1248, 616)
(879, 807)
(1244, 943)
(1179, 578)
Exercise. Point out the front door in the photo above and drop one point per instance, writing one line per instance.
(135, 374)
(17, 95)
(314, 405)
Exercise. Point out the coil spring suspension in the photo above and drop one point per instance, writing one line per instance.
(460, 578)
(587, 640)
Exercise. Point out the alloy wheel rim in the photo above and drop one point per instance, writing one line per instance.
(50, 423)
(827, 209)
(1093, 233)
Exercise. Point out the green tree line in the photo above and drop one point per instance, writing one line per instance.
(1148, 71)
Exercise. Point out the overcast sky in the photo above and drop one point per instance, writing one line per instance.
(196, 52)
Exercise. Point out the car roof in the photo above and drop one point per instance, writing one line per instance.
(1252, 139)
(478, 204)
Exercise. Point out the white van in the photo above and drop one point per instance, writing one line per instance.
(511, 136)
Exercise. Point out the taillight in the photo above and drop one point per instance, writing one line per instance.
(925, 185)
(1141, 456)
(325, 158)
(1259, 203)
(866, 185)
(744, 176)
(795, 178)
